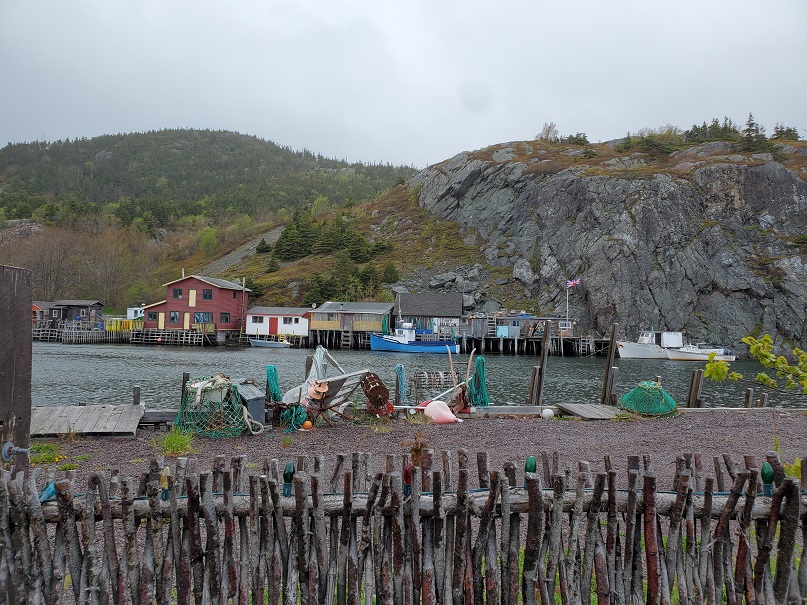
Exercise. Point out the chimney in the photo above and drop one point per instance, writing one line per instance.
(183, 272)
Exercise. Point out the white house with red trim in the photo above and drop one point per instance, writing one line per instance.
(289, 321)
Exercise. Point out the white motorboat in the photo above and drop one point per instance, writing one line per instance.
(693, 352)
(651, 344)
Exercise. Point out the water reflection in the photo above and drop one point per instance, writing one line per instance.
(71, 374)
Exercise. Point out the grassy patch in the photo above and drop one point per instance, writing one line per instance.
(49, 454)
(174, 443)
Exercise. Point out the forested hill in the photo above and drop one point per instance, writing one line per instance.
(156, 177)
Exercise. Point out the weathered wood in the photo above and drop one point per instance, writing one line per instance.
(163, 558)
(344, 540)
(535, 525)
(486, 521)
(612, 344)
(651, 541)
(16, 352)
(212, 552)
(415, 536)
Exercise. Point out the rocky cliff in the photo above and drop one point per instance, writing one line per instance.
(708, 240)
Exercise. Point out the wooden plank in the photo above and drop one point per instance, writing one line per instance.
(87, 418)
(110, 421)
(590, 411)
(93, 416)
(57, 423)
(84, 420)
(41, 418)
(129, 420)
(498, 411)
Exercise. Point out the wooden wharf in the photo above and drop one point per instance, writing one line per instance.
(98, 420)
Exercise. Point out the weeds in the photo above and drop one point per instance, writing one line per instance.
(174, 443)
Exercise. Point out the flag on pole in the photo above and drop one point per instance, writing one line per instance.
(571, 283)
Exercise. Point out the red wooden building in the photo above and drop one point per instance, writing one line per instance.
(199, 303)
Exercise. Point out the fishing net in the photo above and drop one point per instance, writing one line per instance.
(477, 384)
(211, 407)
(273, 385)
(292, 418)
(648, 399)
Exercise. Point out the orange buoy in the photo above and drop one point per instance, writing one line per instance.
(307, 424)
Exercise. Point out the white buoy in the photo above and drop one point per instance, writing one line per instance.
(547, 414)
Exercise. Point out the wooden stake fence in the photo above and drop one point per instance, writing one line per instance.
(407, 535)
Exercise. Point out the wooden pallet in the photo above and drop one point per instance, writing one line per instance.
(106, 420)
(590, 411)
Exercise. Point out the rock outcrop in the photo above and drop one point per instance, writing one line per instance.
(710, 240)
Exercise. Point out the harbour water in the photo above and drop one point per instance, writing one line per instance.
(96, 374)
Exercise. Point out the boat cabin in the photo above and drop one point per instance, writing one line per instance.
(666, 340)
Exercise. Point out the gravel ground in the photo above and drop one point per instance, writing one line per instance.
(709, 433)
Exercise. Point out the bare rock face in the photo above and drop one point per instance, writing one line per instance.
(716, 251)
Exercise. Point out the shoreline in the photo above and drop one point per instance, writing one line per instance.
(747, 432)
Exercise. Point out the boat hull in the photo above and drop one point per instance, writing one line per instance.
(271, 344)
(378, 342)
(636, 350)
(702, 355)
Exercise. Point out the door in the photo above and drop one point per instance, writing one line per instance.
(186, 321)
(191, 298)
(273, 325)
(161, 321)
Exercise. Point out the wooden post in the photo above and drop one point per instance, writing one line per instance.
(604, 395)
(136, 396)
(533, 381)
(185, 378)
(539, 388)
(749, 398)
(15, 361)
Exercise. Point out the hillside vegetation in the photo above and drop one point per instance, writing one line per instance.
(115, 216)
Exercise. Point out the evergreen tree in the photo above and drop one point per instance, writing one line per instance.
(263, 247)
(389, 275)
(782, 133)
(272, 265)
(370, 279)
(753, 136)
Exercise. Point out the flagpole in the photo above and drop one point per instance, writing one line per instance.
(567, 304)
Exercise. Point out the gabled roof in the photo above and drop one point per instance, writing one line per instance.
(430, 304)
(77, 303)
(35, 307)
(279, 311)
(162, 302)
(213, 281)
(353, 307)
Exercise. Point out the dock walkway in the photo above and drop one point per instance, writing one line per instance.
(100, 420)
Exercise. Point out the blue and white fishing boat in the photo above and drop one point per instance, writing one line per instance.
(406, 340)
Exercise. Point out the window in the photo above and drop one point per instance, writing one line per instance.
(234, 294)
(177, 292)
(287, 321)
(152, 316)
(330, 317)
(257, 319)
(296, 320)
(173, 317)
(55, 313)
(83, 312)
(207, 294)
(200, 317)
(224, 318)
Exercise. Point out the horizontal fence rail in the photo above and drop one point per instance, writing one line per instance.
(415, 532)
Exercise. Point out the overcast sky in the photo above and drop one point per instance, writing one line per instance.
(404, 82)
